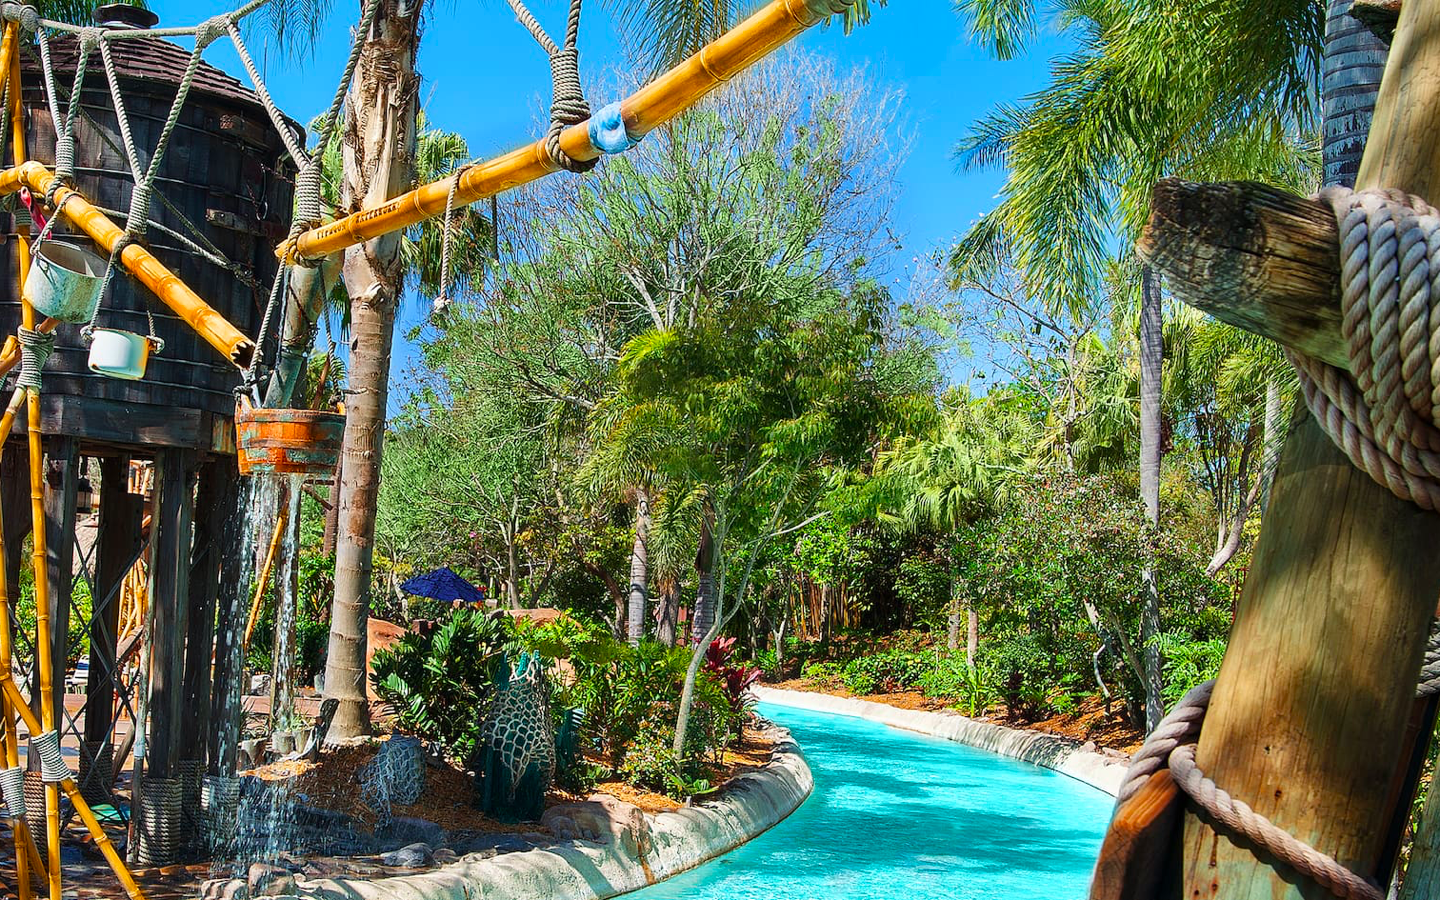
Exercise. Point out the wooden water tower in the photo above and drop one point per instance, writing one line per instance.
(227, 177)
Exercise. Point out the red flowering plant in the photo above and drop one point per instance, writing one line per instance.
(735, 680)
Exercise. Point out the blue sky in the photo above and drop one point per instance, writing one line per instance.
(485, 78)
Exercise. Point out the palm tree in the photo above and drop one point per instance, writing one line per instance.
(965, 471)
(1161, 88)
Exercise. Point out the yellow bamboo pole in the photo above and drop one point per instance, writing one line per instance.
(24, 841)
(280, 518)
(214, 328)
(72, 790)
(672, 93)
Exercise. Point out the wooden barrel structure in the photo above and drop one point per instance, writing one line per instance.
(225, 183)
(288, 441)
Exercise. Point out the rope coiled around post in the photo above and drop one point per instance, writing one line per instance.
(1383, 412)
(35, 349)
(568, 105)
(12, 788)
(53, 767)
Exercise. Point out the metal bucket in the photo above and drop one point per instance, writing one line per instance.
(119, 354)
(288, 441)
(64, 282)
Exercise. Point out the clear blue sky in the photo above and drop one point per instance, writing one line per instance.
(486, 79)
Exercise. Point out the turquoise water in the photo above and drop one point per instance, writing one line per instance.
(898, 816)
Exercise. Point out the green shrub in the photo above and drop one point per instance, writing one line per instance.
(951, 678)
(436, 682)
(1023, 671)
(1188, 662)
(886, 671)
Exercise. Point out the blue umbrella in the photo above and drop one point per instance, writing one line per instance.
(443, 584)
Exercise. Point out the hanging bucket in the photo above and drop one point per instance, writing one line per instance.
(64, 282)
(288, 441)
(120, 354)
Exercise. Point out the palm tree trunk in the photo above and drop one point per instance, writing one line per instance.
(332, 514)
(639, 569)
(952, 633)
(379, 160)
(1151, 358)
(1354, 62)
(666, 626)
(704, 579)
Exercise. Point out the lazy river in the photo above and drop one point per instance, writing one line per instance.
(901, 816)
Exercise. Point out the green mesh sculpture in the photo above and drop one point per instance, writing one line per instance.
(515, 762)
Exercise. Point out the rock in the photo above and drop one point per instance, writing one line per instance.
(1088, 747)
(602, 819)
(412, 856)
(402, 830)
(224, 889)
(488, 845)
(265, 880)
(260, 684)
(444, 856)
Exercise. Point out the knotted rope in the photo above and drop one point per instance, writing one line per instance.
(1172, 745)
(1383, 412)
(567, 101)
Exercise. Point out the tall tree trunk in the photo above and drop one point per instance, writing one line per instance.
(668, 621)
(639, 570)
(972, 634)
(704, 610)
(1151, 358)
(512, 569)
(379, 160)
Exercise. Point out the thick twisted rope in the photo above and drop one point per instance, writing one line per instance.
(12, 788)
(568, 105)
(1382, 413)
(35, 349)
(53, 768)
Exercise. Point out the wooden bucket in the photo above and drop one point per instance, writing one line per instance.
(288, 441)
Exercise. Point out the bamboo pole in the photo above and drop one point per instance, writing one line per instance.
(72, 791)
(1310, 709)
(281, 516)
(214, 328)
(769, 28)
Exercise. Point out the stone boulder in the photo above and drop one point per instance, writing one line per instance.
(604, 820)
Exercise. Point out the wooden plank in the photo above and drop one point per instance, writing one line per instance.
(1132, 864)
(1251, 255)
(133, 424)
(169, 590)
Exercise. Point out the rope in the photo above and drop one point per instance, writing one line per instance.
(1383, 412)
(35, 349)
(53, 768)
(447, 225)
(12, 787)
(567, 96)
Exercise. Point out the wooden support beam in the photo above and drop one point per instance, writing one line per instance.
(169, 592)
(1251, 255)
(1311, 706)
(117, 541)
(214, 503)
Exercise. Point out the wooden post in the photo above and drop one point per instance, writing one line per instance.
(1311, 705)
(115, 547)
(214, 504)
(224, 719)
(61, 479)
(169, 591)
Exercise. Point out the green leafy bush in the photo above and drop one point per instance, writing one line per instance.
(1188, 662)
(885, 671)
(436, 682)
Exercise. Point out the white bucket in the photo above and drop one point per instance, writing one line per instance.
(64, 282)
(119, 354)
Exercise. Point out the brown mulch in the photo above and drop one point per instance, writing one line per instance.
(1088, 723)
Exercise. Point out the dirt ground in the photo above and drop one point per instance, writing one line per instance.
(1088, 723)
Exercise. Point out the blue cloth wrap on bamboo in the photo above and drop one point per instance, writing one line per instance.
(607, 130)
